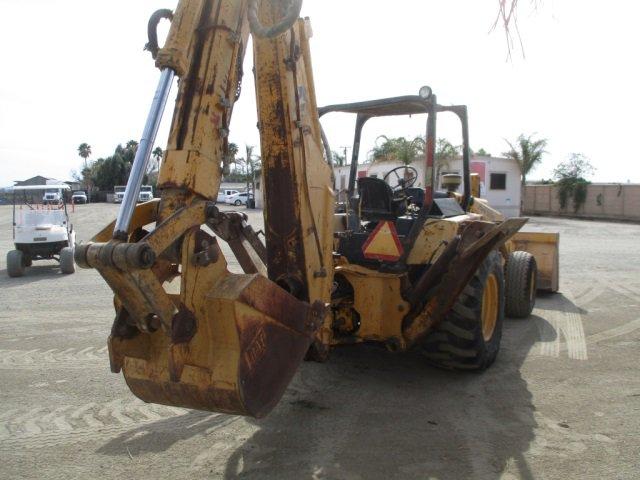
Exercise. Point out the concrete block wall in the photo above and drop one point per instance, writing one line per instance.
(606, 201)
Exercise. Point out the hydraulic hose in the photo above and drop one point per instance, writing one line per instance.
(259, 30)
(152, 30)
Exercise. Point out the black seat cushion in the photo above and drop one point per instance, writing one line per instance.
(377, 201)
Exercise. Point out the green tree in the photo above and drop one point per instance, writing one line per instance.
(571, 181)
(339, 160)
(157, 154)
(153, 171)
(527, 152)
(84, 150)
(252, 164)
(398, 149)
(576, 166)
(483, 153)
(445, 152)
(230, 159)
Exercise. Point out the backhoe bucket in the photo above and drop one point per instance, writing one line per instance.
(250, 337)
(544, 247)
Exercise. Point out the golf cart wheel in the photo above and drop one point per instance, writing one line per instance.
(237, 203)
(520, 272)
(67, 264)
(469, 336)
(15, 263)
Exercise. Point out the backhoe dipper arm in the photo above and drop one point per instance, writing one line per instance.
(223, 342)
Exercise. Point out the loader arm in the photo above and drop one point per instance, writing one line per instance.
(223, 341)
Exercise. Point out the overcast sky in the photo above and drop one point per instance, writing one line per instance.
(74, 71)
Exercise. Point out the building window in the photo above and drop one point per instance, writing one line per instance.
(498, 181)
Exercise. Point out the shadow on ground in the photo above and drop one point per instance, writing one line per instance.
(35, 273)
(369, 414)
(161, 435)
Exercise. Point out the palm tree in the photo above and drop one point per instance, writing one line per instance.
(527, 152)
(399, 149)
(445, 151)
(84, 150)
(339, 160)
(158, 153)
(252, 162)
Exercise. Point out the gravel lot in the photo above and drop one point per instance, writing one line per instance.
(562, 401)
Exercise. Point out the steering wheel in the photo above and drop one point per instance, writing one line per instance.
(404, 181)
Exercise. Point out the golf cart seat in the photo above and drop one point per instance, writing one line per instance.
(377, 201)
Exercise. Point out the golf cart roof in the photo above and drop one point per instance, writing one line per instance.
(41, 187)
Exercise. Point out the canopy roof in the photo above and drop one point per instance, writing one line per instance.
(406, 105)
(42, 187)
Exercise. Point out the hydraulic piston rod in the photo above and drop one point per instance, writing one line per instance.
(143, 154)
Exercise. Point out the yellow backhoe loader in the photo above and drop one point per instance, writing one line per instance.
(405, 268)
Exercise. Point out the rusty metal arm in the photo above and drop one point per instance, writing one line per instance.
(437, 290)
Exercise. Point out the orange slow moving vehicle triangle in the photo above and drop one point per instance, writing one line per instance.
(383, 243)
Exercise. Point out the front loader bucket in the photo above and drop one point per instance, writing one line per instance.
(544, 247)
(250, 338)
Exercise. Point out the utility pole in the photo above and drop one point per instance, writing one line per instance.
(346, 158)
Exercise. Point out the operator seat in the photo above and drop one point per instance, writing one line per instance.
(377, 201)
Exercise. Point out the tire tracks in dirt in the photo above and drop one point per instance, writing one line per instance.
(70, 424)
(39, 358)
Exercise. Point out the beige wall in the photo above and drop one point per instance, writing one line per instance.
(607, 201)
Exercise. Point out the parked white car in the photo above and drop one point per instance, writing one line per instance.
(79, 197)
(238, 198)
(146, 193)
(223, 194)
(40, 233)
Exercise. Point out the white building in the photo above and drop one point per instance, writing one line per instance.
(499, 177)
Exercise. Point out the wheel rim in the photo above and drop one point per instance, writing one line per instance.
(489, 307)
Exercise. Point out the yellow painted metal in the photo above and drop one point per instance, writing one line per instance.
(544, 246)
(198, 137)
(297, 179)
(378, 300)
(475, 185)
(434, 237)
(481, 207)
(178, 47)
(490, 305)
(144, 214)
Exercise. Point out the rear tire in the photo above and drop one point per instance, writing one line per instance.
(67, 264)
(520, 272)
(469, 336)
(15, 263)
(237, 203)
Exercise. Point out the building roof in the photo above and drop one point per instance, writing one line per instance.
(37, 180)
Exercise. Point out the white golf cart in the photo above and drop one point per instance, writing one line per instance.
(40, 232)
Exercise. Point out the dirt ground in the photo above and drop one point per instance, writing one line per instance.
(561, 402)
